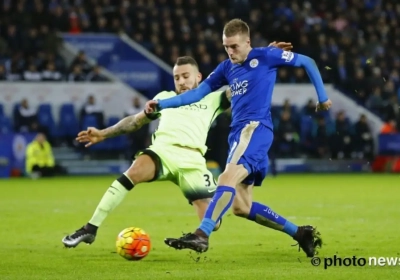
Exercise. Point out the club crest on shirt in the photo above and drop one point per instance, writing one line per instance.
(254, 63)
(287, 56)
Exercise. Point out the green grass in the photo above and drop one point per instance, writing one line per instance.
(357, 215)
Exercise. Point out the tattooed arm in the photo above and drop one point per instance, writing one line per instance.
(129, 124)
(126, 125)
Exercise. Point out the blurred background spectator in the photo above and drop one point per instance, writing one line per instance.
(40, 160)
(94, 109)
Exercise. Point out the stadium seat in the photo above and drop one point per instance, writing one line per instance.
(68, 125)
(44, 108)
(88, 121)
(112, 121)
(67, 108)
(5, 125)
(102, 146)
(118, 143)
(45, 118)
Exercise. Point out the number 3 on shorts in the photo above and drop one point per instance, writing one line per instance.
(207, 178)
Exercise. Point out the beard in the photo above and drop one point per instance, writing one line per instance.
(185, 89)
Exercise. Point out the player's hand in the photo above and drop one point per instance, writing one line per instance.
(90, 136)
(325, 106)
(151, 106)
(282, 45)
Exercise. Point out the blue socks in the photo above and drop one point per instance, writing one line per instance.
(263, 215)
(259, 213)
(218, 206)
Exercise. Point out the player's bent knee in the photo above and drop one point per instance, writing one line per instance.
(240, 211)
(240, 208)
(142, 170)
(137, 176)
(133, 175)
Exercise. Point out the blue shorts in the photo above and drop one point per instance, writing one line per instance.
(249, 145)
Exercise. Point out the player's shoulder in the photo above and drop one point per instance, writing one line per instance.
(263, 50)
(167, 92)
(264, 54)
(221, 70)
(224, 64)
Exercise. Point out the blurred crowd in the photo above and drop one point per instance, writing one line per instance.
(354, 42)
(29, 45)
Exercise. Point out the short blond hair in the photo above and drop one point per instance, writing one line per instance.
(236, 26)
(183, 60)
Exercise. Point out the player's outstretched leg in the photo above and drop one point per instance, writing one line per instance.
(142, 170)
(220, 203)
(243, 206)
(111, 199)
(306, 236)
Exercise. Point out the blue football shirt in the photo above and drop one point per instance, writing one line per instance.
(251, 83)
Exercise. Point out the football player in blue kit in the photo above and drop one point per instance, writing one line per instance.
(251, 75)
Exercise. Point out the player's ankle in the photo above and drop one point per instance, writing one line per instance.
(200, 233)
(298, 233)
(91, 228)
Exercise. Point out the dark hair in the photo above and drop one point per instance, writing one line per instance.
(183, 60)
(236, 26)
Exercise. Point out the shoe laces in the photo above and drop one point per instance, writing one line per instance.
(78, 233)
(186, 235)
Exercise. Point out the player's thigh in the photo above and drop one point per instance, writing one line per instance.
(243, 200)
(232, 175)
(146, 167)
(249, 144)
(197, 183)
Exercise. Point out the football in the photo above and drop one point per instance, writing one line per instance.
(133, 244)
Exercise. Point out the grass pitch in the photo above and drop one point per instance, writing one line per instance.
(357, 215)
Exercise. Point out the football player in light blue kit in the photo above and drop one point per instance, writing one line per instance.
(251, 74)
